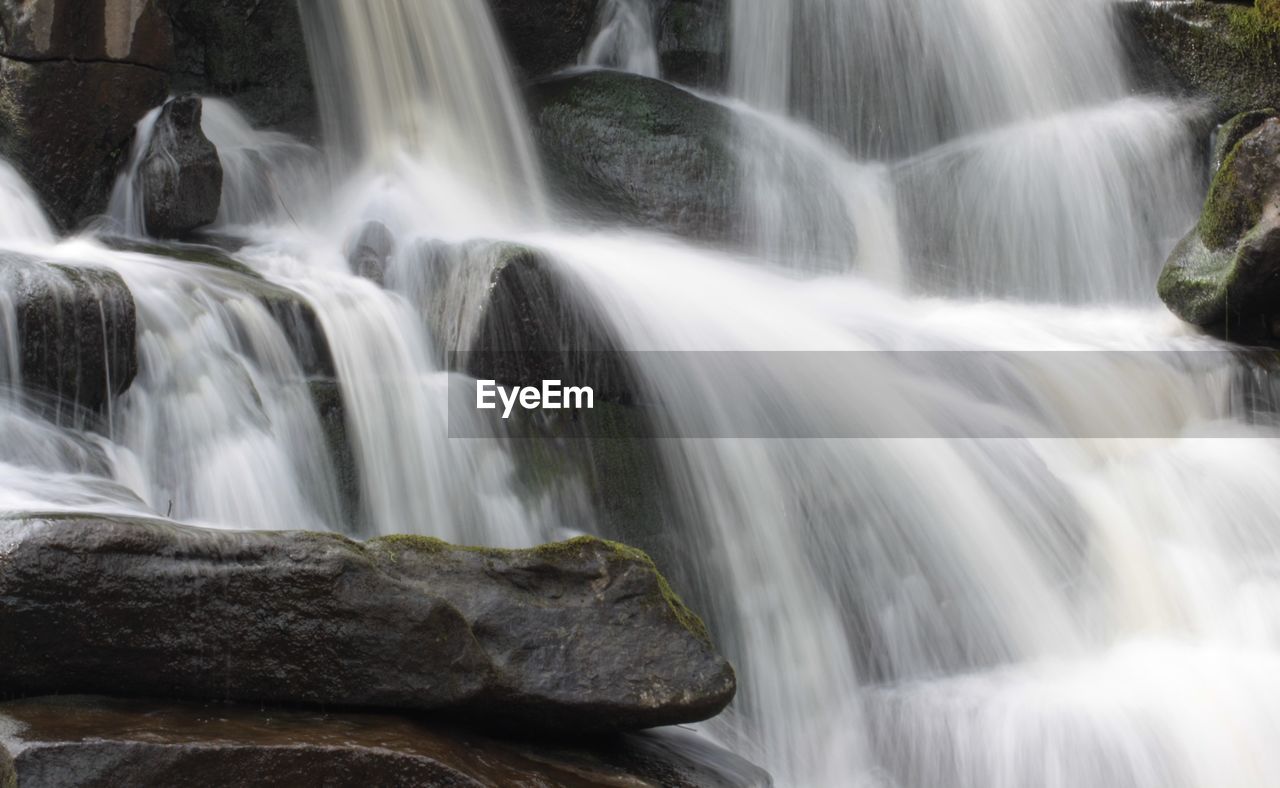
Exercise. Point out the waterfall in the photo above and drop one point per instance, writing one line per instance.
(624, 38)
(427, 81)
(1013, 525)
(1020, 167)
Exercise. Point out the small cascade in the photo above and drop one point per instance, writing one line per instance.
(428, 82)
(23, 219)
(624, 38)
(269, 178)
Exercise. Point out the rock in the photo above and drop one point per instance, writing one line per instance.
(1230, 133)
(66, 125)
(693, 43)
(1225, 275)
(294, 314)
(574, 637)
(136, 32)
(180, 175)
(1229, 53)
(76, 331)
(624, 149)
(326, 396)
(75, 78)
(543, 36)
(370, 251)
(250, 51)
(85, 740)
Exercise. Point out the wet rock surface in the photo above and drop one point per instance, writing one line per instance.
(76, 331)
(74, 79)
(543, 36)
(624, 149)
(250, 51)
(180, 175)
(98, 741)
(1225, 275)
(580, 636)
(1227, 52)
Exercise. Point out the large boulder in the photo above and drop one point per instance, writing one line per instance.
(543, 36)
(66, 126)
(251, 51)
(580, 636)
(76, 332)
(85, 740)
(625, 149)
(74, 80)
(1225, 275)
(693, 42)
(180, 176)
(1225, 51)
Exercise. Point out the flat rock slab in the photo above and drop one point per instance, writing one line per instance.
(96, 741)
(580, 636)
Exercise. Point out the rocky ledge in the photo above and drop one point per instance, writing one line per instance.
(584, 636)
(95, 741)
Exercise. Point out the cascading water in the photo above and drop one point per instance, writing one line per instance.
(1020, 166)
(624, 38)
(1000, 569)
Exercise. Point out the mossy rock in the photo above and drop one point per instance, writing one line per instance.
(1226, 52)
(624, 149)
(1225, 275)
(581, 637)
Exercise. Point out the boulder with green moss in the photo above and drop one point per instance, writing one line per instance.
(1227, 52)
(580, 636)
(1225, 275)
(624, 149)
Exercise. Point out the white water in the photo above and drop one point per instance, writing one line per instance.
(1093, 608)
(624, 38)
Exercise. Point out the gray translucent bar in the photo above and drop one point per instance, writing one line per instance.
(868, 394)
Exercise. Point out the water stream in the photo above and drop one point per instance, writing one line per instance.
(1039, 546)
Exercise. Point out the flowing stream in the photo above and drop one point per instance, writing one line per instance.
(1027, 538)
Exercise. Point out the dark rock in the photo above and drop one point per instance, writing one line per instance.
(117, 31)
(693, 43)
(326, 395)
(370, 252)
(180, 175)
(1225, 275)
(66, 126)
(250, 51)
(76, 332)
(543, 36)
(1230, 133)
(1229, 53)
(96, 741)
(580, 636)
(624, 149)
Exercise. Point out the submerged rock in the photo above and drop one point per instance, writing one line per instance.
(85, 740)
(1227, 52)
(1225, 275)
(580, 636)
(76, 331)
(370, 251)
(624, 149)
(533, 327)
(180, 175)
